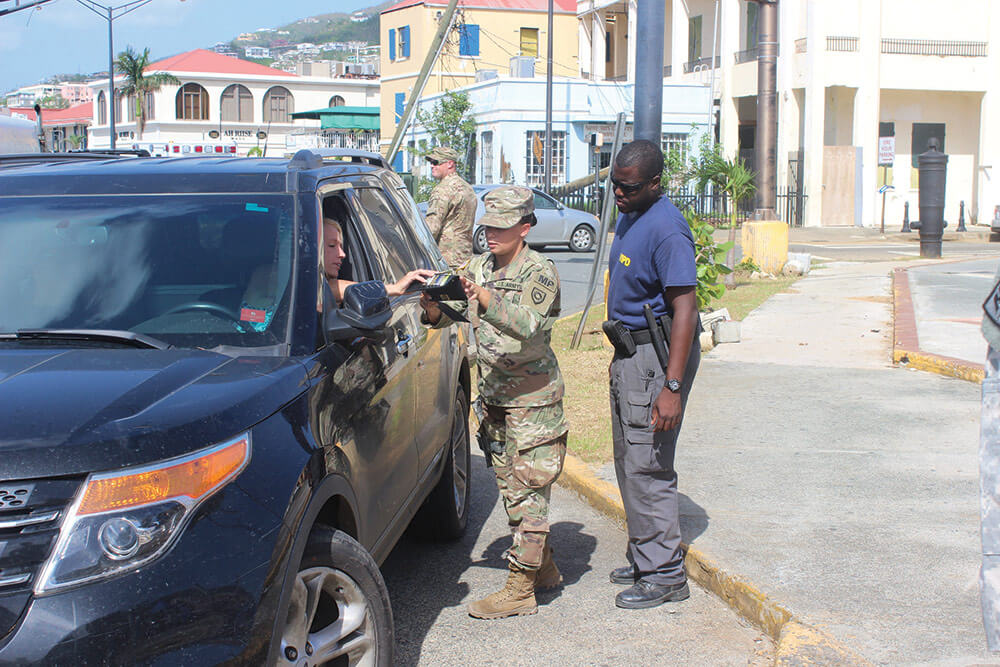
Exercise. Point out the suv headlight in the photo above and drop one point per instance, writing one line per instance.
(126, 518)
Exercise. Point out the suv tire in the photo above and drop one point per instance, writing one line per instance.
(445, 513)
(352, 599)
(582, 239)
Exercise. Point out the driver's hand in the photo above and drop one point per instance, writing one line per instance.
(401, 285)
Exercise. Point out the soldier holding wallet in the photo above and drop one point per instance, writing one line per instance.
(516, 293)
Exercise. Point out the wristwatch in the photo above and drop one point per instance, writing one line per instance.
(674, 385)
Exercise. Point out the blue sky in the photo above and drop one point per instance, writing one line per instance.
(65, 37)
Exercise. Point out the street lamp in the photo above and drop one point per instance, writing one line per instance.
(110, 13)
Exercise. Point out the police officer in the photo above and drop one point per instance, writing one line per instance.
(516, 293)
(451, 209)
(652, 262)
(989, 470)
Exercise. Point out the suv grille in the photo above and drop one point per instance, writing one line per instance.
(29, 522)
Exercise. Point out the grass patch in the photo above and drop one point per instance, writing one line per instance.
(585, 369)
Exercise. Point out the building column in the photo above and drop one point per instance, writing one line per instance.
(631, 9)
(866, 106)
(678, 37)
(815, 113)
(599, 45)
(987, 163)
(788, 111)
(584, 45)
(729, 44)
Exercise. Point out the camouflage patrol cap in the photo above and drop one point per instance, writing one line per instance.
(443, 154)
(506, 206)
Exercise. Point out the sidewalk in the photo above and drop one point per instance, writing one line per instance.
(829, 496)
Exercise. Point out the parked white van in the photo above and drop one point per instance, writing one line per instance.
(18, 135)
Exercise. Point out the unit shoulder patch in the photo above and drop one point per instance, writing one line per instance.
(539, 292)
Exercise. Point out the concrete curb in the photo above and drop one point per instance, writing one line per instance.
(906, 344)
(796, 643)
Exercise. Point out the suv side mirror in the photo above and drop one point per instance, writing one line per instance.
(365, 312)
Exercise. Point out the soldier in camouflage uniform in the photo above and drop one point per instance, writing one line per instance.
(989, 471)
(516, 291)
(451, 209)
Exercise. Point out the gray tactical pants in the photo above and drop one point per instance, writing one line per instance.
(989, 477)
(644, 463)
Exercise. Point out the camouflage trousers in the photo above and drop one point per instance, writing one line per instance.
(534, 450)
(989, 477)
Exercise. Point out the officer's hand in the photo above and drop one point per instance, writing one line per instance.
(430, 308)
(666, 411)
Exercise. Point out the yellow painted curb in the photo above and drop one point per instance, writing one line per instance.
(797, 644)
(946, 366)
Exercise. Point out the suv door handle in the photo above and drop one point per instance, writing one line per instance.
(403, 342)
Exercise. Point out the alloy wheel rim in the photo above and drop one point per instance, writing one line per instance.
(328, 617)
(581, 238)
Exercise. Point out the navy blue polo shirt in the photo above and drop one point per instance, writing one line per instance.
(651, 252)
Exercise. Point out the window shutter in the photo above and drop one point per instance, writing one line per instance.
(392, 43)
(400, 105)
(404, 41)
(473, 40)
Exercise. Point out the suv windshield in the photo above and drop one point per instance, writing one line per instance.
(191, 270)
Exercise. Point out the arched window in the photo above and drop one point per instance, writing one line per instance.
(278, 105)
(237, 104)
(102, 108)
(192, 102)
(147, 106)
(336, 101)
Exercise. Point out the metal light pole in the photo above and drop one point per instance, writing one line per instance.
(547, 159)
(649, 71)
(766, 142)
(110, 13)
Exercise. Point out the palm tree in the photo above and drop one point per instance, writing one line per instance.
(737, 182)
(137, 83)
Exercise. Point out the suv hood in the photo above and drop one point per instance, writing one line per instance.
(71, 412)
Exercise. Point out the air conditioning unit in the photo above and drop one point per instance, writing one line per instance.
(522, 67)
(486, 75)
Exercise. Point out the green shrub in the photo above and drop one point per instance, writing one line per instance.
(709, 260)
(747, 265)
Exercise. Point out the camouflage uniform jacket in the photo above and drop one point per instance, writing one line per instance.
(517, 366)
(450, 214)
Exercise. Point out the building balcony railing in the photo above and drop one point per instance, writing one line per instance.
(747, 55)
(841, 43)
(934, 47)
(700, 64)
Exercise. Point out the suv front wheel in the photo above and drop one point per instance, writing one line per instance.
(338, 608)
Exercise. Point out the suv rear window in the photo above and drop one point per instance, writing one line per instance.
(192, 270)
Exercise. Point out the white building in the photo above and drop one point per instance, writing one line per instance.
(224, 102)
(257, 52)
(510, 126)
(848, 72)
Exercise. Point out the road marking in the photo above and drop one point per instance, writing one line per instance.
(904, 254)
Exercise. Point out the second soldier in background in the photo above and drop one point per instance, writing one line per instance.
(516, 292)
(451, 208)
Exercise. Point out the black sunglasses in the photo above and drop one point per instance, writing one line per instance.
(433, 162)
(629, 188)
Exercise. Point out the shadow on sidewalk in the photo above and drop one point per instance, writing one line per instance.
(694, 520)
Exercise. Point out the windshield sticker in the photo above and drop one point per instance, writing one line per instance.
(258, 318)
(257, 208)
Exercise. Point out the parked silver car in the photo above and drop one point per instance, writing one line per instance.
(557, 225)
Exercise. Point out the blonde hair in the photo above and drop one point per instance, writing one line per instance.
(333, 223)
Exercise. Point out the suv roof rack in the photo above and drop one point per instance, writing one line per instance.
(314, 157)
(21, 158)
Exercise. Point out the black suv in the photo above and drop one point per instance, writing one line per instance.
(203, 456)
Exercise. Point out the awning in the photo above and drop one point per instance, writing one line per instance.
(344, 118)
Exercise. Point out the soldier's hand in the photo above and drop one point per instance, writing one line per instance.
(476, 293)
(666, 411)
(430, 308)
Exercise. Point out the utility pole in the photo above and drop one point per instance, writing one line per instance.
(547, 159)
(444, 26)
(110, 13)
(649, 71)
(766, 141)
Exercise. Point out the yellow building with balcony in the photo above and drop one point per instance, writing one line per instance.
(489, 38)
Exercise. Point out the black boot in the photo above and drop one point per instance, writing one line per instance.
(645, 594)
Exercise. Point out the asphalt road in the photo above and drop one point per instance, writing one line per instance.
(430, 584)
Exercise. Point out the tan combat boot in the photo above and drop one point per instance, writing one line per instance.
(548, 574)
(516, 598)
